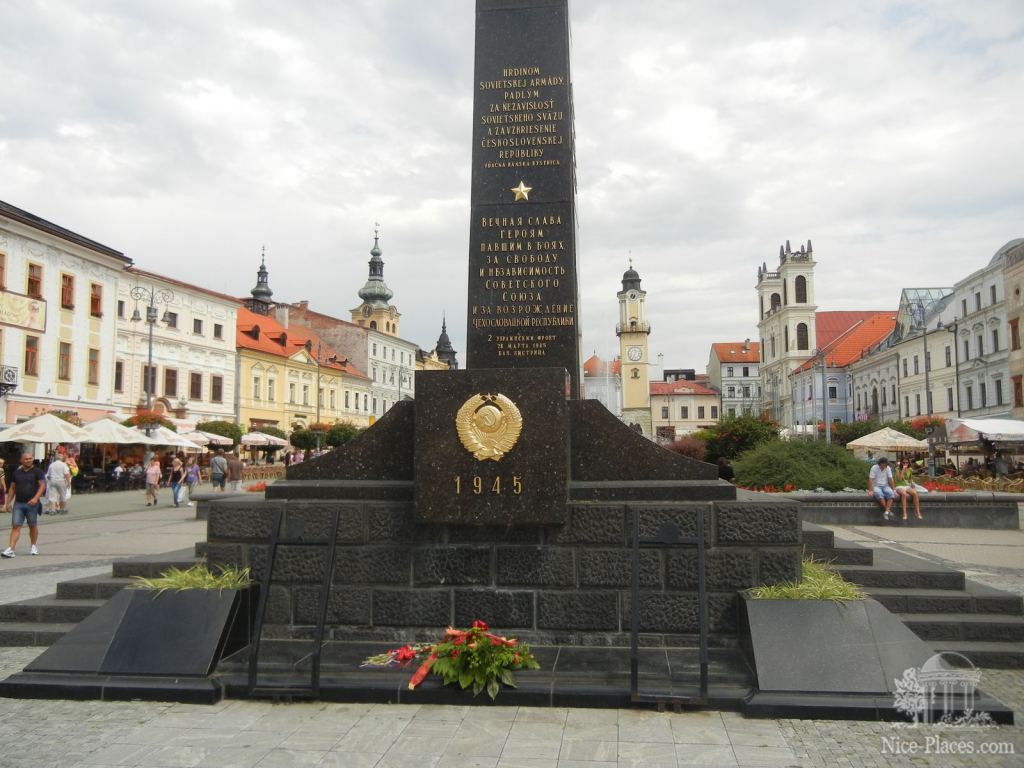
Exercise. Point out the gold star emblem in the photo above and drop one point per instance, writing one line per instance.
(522, 191)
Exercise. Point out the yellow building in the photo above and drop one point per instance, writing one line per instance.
(632, 330)
(288, 378)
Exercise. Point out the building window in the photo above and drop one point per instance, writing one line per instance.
(257, 388)
(785, 339)
(3, 271)
(801, 336)
(64, 361)
(833, 392)
(746, 371)
(305, 394)
(977, 301)
(970, 397)
(67, 291)
(732, 413)
(664, 411)
(320, 397)
(949, 398)
(999, 391)
(906, 405)
(917, 369)
(120, 308)
(1018, 393)
(31, 355)
(94, 367)
(374, 374)
(216, 389)
(729, 371)
(170, 382)
(374, 352)
(171, 319)
(375, 405)
(366, 402)
(148, 378)
(347, 406)
(1014, 335)
(684, 412)
(291, 393)
(893, 399)
(34, 284)
(271, 390)
(883, 397)
(773, 346)
(731, 392)
(333, 400)
(218, 331)
(963, 307)
(917, 404)
(714, 411)
(195, 386)
(905, 374)
(119, 376)
(949, 356)
(197, 326)
(967, 350)
(983, 391)
(981, 346)
(96, 300)
(700, 411)
(995, 339)
(801, 289)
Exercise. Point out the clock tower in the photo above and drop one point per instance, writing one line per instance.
(376, 312)
(632, 330)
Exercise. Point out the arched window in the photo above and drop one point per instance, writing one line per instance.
(373, 324)
(776, 301)
(801, 289)
(801, 336)
(874, 400)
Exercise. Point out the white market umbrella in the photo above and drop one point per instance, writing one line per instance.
(109, 431)
(46, 428)
(885, 440)
(165, 436)
(260, 438)
(212, 438)
(196, 437)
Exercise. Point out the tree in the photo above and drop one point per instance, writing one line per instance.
(269, 429)
(691, 446)
(342, 432)
(303, 439)
(800, 464)
(735, 435)
(222, 428)
(148, 420)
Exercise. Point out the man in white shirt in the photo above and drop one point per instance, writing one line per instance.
(882, 487)
(58, 480)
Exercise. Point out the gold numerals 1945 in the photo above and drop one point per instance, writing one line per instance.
(479, 485)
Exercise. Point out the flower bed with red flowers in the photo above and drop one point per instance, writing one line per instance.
(473, 657)
(938, 486)
(256, 487)
(787, 488)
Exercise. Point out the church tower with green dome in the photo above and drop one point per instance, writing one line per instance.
(261, 297)
(376, 312)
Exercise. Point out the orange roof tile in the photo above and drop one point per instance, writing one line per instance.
(830, 325)
(595, 366)
(680, 388)
(275, 339)
(851, 345)
(730, 351)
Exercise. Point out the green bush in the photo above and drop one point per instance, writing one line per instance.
(804, 465)
(304, 439)
(341, 433)
(223, 428)
(734, 435)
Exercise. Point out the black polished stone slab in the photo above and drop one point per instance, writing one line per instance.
(523, 285)
(528, 485)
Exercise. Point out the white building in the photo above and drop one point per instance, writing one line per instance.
(193, 375)
(57, 294)
(734, 370)
(602, 382)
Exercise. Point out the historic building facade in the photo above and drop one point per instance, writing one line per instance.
(1013, 286)
(734, 370)
(680, 407)
(57, 319)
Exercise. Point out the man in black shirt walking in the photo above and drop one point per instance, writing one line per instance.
(29, 484)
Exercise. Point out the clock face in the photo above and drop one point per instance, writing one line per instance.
(634, 353)
(632, 295)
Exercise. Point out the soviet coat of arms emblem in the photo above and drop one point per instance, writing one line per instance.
(488, 426)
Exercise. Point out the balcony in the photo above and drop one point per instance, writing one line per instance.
(636, 327)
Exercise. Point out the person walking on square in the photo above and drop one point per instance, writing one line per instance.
(191, 477)
(153, 475)
(176, 479)
(58, 480)
(881, 486)
(906, 487)
(234, 471)
(218, 470)
(29, 484)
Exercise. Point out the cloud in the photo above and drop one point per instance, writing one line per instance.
(195, 132)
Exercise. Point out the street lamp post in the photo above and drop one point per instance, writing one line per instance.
(330, 360)
(152, 296)
(824, 397)
(953, 328)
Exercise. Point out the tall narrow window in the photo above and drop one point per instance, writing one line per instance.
(96, 300)
(34, 283)
(995, 339)
(992, 291)
(700, 411)
(3, 271)
(983, 391)
(1014, 335)
(802, 341)
(271, 390)
(64, 361)
(170, 382)
(257, 388)
(949, 399)
(949, 357)
(981, 345)
(118, 376)
(31, 355)
(218, 331)
(216, 389)
(94, 366)
(999, 391)
(195, 386)
(801, 289)
(67, 291)
(197, 326)
(120, 308)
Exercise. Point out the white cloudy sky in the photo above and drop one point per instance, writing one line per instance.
(190, 133)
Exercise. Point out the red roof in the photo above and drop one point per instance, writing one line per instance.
(738, 351)
(680, 388)
(595, 366)
(830, 325)
(274, 339)
(851, 345)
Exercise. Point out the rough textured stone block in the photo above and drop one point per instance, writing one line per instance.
(578, 610)
(242, 520)
(722, 613)
(422, 607)
(256, 558)
(452, 565)
(499, 608)
(724, 569)
(373, 565)
(663, 612)
(312, 520)
(778, 565)
(493, 534)
(682, 515)
(741, 522)
(592, 524)
(345, 605)
(224, 555)
(279, 606)
(614, 568)
(391, 522)
(296, 563)
(535, 566)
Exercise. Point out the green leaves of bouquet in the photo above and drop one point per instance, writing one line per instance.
(480, 660)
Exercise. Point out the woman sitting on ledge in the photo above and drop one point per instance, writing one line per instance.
(905, 487)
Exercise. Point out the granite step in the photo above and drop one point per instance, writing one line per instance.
(965, 626)
(983, 653)
(17, 634)
(92, 588)
(151, 566)
(894, 569)
(821, 544)
(974, 599)
(48, 610)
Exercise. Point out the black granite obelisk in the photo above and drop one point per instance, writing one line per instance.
(523, 288)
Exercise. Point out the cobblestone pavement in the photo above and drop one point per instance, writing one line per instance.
(243, 734)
